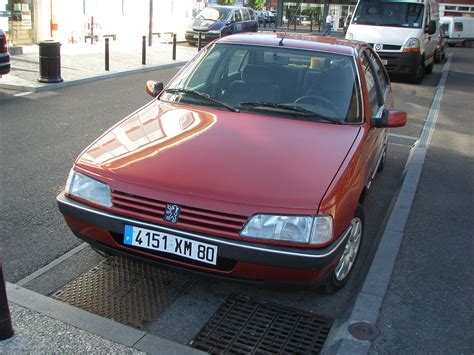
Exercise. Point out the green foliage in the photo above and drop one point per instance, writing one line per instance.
(226, 2)
(256, 4)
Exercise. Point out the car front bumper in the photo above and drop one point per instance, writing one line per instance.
(236, 259)
(206, 37)
(401, 63)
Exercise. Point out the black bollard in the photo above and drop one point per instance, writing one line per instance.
(106, 54)
(6, 329)
(310, 22)
(174, 46)
(50, 62)
(295, 24)
(144, 50)
(92, 29)
(199, 41)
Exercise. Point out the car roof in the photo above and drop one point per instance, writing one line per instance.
(296, 40)
(227, 7)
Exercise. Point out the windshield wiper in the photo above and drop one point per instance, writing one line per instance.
(292, 108)
(202, 95)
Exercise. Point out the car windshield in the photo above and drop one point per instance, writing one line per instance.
(389, 13)
(213, 14)
(278, 81)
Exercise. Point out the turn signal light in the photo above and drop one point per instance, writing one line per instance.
(411, 50)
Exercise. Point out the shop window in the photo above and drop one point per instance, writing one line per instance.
(458, 27)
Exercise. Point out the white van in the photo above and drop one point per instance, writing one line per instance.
(404, 33)
(458, 30)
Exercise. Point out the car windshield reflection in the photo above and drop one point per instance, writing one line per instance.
(325, 84)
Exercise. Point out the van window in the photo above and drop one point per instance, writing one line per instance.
(389, 13)
(458, 26)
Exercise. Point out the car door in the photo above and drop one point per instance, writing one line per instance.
(380, 98)
(238, 24)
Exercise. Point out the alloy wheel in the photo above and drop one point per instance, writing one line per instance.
(350, 250)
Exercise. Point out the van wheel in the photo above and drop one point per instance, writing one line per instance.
(451, 44)
(467, 43)
(344, 268)
(419, 75)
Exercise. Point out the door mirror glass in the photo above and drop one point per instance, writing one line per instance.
(391, 119)
(153, 88)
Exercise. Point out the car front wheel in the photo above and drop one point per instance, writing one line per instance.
(348, 258)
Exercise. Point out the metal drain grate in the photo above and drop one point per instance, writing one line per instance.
(124, 290)
(246, 326)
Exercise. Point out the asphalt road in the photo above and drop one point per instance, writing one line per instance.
(42, 133)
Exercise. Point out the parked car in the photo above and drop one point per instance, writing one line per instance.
(252, 163)
(261, 17)
(458, 30)
(440, 50)
(4, 55)
(219, 21)
(271, 17)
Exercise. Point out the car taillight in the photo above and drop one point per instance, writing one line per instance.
(3, 45)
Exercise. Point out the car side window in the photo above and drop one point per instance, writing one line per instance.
(380, 73)
(245, 15)
(370, 79)
(237, 16)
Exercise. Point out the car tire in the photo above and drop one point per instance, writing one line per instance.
(451, 44)
(341, 274)
(467, 43)
(419, 75)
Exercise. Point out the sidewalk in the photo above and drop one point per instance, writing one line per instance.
(85, 62)
(417, 296)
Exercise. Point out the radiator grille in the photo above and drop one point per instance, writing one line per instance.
(190, 218)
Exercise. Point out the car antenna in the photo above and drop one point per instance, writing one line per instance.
(281, 40)
(293, 19)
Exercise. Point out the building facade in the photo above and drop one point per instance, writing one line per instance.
(456, 8)
(288, 10)
(31, 21)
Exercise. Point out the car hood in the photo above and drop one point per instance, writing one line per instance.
(234, 157)
(384, 35)
(207, 25)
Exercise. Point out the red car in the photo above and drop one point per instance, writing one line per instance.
(4, 55)
(252, 163)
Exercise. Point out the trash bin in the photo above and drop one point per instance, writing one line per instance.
(50, 62)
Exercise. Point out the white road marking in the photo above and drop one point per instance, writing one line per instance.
(24, 93)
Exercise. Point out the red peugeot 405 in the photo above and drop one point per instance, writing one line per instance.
(252, 163)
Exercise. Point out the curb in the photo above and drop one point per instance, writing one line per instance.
(369, 301)
(94, 324)
(47, 87)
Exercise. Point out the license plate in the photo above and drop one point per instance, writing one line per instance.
(384, 61)
(172, 244)
(197, 36)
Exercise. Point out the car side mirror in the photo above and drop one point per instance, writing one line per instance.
(391, 119)
(153, 88)
(431, 28)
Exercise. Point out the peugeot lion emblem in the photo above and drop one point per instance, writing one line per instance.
(171, 213)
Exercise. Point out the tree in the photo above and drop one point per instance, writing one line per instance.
(226, 2)
(256, 4)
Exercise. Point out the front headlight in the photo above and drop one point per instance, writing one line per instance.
(412, 45)
(349, 35)
(214, 32)
(84, 187)
(297, 229)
